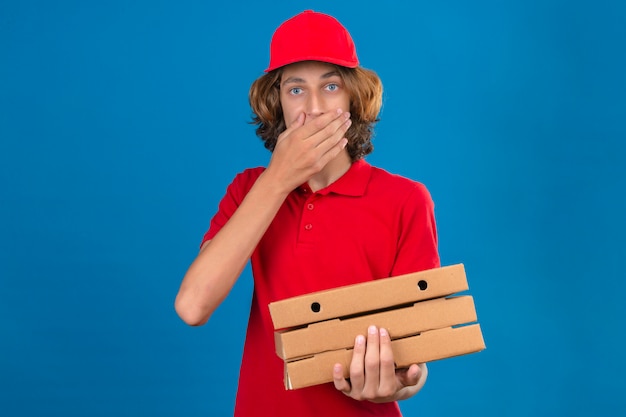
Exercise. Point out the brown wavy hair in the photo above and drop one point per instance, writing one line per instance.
(363, 85)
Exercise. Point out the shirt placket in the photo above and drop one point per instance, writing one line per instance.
(308, 230)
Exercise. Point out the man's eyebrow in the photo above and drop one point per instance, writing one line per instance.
(330, 74)
(298, 80)
(293, 80)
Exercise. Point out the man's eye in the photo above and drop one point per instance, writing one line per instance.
(295, 90)
(332, 87)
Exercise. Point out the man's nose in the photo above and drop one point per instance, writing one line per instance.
(314, 105)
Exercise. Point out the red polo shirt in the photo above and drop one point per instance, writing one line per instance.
(369, 224)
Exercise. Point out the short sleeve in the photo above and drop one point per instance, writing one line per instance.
(235, 193)
(417, 240)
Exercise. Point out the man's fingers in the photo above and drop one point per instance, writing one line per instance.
(373, 375)
(357, 372)
(409, 376)
(340, 382)
(321, 128)
(330, 146)
(298, 122)
(372, 363)
(328, 129)
(422, 375)
(330, 133)
(388, 382)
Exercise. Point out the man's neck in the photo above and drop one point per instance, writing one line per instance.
(331, 172)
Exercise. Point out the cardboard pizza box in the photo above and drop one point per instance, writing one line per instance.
(426, 347)
(368, 296)
(400, 322)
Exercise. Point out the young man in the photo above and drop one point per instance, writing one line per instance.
(317, 217)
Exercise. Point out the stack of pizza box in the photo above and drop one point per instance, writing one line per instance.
(315, 331)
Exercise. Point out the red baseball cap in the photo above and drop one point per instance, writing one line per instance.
(312, 36)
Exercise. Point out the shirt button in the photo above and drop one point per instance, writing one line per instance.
(308, 226)
(310, 206)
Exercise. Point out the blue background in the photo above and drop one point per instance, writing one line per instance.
(121, 124)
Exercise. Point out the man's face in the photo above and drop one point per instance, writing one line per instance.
(312, 88)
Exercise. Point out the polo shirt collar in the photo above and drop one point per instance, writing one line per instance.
(353, 182)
